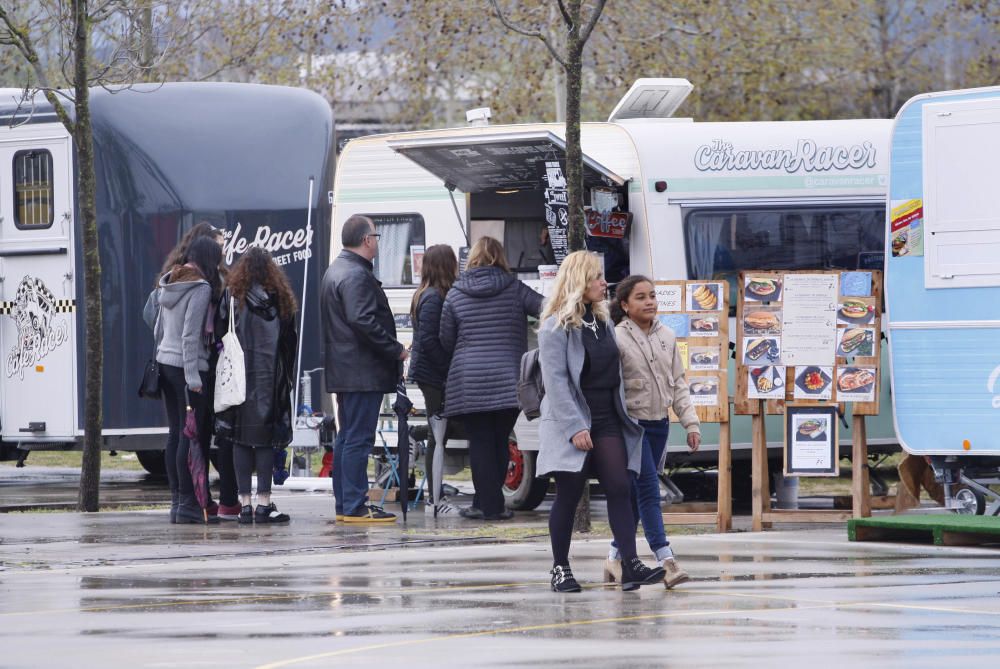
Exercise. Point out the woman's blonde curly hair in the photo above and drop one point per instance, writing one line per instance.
(566, 302)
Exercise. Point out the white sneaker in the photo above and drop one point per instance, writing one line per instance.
(445, 508)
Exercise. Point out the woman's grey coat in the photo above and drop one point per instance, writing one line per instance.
(564, 410)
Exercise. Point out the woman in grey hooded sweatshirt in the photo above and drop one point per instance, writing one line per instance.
(185, 294)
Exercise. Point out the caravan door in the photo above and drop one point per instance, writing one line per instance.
(37, 285)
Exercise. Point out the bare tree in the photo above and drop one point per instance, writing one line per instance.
(58, 42)
(78, 22)
(570, 56)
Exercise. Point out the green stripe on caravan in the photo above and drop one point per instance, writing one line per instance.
(717, 183)
(391, 194)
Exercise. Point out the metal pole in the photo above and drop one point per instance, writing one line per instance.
(305, 287)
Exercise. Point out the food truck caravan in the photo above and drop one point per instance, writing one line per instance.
(239, 156)
(942, 282)
(668, 197)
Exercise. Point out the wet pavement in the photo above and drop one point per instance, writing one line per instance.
(126, 589)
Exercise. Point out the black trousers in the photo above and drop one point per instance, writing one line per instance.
(248, 457)
(608, 461)
(489, 455)
(175, 400)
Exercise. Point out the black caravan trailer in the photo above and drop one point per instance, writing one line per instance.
(240, 156)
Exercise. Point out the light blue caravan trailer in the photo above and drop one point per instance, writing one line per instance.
(943, 289)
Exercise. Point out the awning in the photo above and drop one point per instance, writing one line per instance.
(491, 162)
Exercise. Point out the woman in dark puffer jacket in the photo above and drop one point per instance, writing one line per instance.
(428, 359)
(265, 309)
(484, 327)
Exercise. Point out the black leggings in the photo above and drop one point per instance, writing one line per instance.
(608, 461)
(173, 385)
(245, 457)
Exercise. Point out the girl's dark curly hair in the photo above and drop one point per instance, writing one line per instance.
(258, 267)
(622, 292)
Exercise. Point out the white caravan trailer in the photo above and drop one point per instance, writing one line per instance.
(943, 288)
(707, 200)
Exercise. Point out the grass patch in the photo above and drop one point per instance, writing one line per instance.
(71, 508)
(73, 459)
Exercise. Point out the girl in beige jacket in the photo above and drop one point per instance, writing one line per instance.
(653, 374)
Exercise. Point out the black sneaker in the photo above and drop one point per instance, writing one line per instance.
(269, 514)
(246, 515)
(562, 579)
(506, 514)
(370, 514)
(635, 573)
(471, 512)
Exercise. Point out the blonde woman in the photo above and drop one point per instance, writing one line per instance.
(585, 430)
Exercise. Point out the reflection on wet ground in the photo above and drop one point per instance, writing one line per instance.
(128, 589)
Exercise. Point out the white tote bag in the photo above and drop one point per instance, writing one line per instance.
(231, 372)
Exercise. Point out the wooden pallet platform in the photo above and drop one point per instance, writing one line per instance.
(939, 529)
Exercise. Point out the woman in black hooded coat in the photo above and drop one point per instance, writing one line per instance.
(265, 309)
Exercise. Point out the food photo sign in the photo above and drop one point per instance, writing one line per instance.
(808, 337)
(811, 438)
(698, 314)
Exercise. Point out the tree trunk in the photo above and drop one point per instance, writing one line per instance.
(581, 519)
(574, 154)
(147, 43)
(90, 472)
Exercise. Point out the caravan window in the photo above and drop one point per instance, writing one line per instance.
(33, 190)
(400, 245)
(722, 242)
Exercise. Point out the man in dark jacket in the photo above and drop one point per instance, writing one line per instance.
(363, 362)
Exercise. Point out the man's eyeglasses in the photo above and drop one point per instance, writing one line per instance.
(376, 235)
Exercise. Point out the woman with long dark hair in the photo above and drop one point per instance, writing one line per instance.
(185, 295)
(428, 358)
(585, 429)
(228, 507)
(264, 319)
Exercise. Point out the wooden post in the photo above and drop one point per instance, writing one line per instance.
(725, 495)
(760, 490)
(860, 490)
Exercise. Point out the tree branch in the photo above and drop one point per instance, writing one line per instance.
(22, 42)
(565, 14)
(532, 33)
(589, 28)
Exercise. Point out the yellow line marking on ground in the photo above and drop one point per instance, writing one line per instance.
(526, 628)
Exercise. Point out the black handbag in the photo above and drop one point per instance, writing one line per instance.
(150, 386)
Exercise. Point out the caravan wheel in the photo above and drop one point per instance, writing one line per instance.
(153, 462)
(971, 501)
(522, 489)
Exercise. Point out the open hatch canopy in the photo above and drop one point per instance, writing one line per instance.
(501, 161)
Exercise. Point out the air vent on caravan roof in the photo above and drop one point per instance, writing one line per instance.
(479, 117)
(651, 98)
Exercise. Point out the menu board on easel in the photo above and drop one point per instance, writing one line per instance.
(698, 314)
(808, 337)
